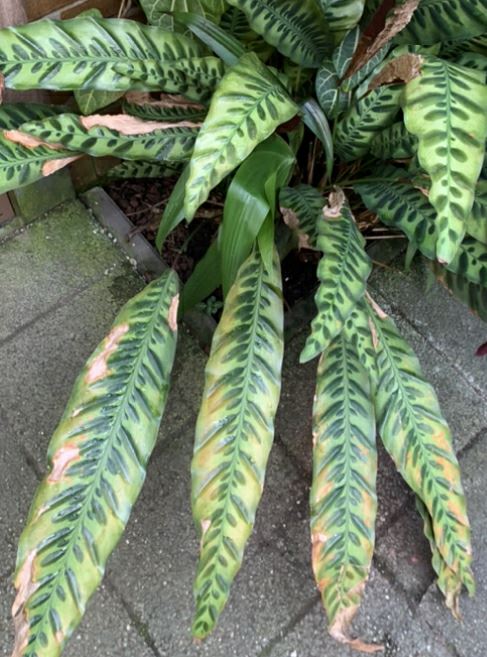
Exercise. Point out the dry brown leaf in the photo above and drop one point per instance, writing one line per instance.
(401, 69)
(291, 219)
(25, 588)
(172, 319)
(131, 125)
(336, 199)
(395, 21)
(377, 309)
(29, 141)
(54, 165)
(99, 366)
(62, 460)
(340, 627)
(165, 100)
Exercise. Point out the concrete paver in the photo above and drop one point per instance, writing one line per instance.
(63, 281)
(467, 638)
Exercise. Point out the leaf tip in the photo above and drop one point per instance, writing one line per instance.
(340, 627)
(336, 201)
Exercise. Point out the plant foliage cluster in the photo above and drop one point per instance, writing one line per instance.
(392, 96)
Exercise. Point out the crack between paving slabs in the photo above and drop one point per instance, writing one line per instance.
(297, 618)
(141, 628)
(45, 313)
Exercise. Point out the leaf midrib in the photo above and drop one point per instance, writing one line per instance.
(145, 341)
(404, 396)
(243, 407)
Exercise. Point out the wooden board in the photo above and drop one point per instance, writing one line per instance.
(64, 9)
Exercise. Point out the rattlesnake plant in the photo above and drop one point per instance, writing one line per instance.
(398, 123)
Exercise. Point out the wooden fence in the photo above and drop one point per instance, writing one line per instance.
(13, 12)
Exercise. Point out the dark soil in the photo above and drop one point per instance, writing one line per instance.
(143, 201)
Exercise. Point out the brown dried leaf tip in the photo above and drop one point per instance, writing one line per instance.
(336, 201)
(340, 628)
(291, 219)
(381, 314)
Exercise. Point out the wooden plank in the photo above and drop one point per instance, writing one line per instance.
(38, 8)
(68, 8)
(108, 8)
(11, 13)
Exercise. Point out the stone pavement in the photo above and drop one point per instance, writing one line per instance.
(61, 283)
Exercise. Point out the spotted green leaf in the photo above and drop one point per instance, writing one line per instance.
(368, 69)
(105, 54)
(342, 15)
(401, 205)
(141, 169)
(91, 100)
(343, 271)
(471, 294)
(369, 115)
(97, 463)
(332, 99)
(118, 135)
(453, 49)
(21, 165)
(306, 203)
(166, 108)
(235, 430)
(473, 60)
(444, 107)
(441, 20)
(477, 219)
(447, 580)
(343, 495)
(296, 29)
(235, 22)
(393, 143)
(159, 12)
(359, 332)
(418, 439)
(343, 53)
(12, 115)
(247, 107)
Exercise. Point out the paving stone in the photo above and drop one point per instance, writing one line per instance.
(448, 324)
(404, 551)
(382, 618)
(105, 630)
(463, 407)
(18, 483)
(50, 260)
(153, 567)
(293, 426)
(45, 358)
(469, 637)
